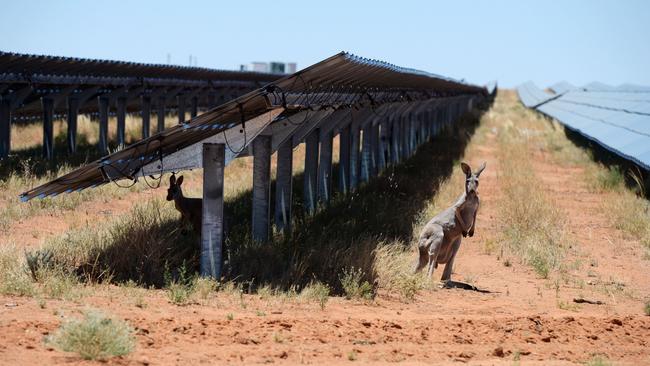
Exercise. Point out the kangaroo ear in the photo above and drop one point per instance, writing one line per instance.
(466, 169)
(172, 180)
(480, 170)
(180, 180)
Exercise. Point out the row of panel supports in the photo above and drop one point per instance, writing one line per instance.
(74, 102)
(364, 151)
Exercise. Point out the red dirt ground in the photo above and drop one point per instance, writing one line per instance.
(518, 319)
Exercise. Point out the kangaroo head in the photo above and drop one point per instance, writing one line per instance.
(174, 191)
(471, 179)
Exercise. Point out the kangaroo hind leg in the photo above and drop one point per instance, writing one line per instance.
(446, 274)
(437, 238)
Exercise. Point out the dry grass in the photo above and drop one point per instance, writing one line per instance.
(624, 205)
(27, 170)
(29, 135)
(95, 337)
(532, 226)
(354, 285)
(316, 291)
(393, 265)
(139, 247)
(13, 210)
(631, 214)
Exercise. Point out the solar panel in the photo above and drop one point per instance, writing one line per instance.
(562, 87)
(617, 118)
(341, 82)
(530, 95)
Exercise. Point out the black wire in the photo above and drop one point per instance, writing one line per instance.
(230, 147)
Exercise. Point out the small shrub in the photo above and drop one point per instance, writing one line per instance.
(266, 292)
(609, 179)
(317, 291)
(14, 279)
(630, 214)
(598, 361)
(568, 306)
(203, 287)
(489, 246)
(140, 302)
(179, 289)
(58, 284)
(230, 316)
(354, 286)
(95, 337)
(39, 260)
(646, 308)
(352, 355)
(277, 337)
(178, 293)
(394, 268)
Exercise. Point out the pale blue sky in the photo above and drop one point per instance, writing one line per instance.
(508, 41)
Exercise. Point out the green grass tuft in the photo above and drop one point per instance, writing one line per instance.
(354, 286)
(95, 337)
(316, 291)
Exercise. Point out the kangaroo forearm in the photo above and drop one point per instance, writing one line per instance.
(460, 221)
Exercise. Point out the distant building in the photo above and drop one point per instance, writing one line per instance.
(259, 67)
(274, 67)
(277, 68)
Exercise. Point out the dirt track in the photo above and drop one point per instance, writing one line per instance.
(518, 316)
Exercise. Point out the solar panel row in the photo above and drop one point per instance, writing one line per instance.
(617, 118)
(530, 95)
(343, 90)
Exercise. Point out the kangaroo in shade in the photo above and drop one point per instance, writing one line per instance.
(441, 236)
(191, 209)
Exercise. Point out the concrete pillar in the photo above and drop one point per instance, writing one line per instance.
(146, 115)
(161, 114)
(325, 168)
(355, 158)
(194, 107)
(181, 108)
(344, 159)
(405, 136)
(121, 121)
(424, 127)
(212, 225)
(395, 139)
(384, 144)
(366, 153)
(283, 187)
(5, 127)
(412, 129)
(428, 121)
(261, 188)
(103, 124)
(311, 172)
(48, 127)
(374, 150)
(212, 100)
(73, 111)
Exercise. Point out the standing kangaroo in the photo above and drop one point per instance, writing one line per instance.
(191, 209)
(440, 238)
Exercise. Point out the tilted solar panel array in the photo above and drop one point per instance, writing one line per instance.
(617, 118)
(562, 87)
(530, 95)
(327, 94)
(63, 76)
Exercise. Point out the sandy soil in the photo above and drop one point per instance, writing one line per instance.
(517, 317)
